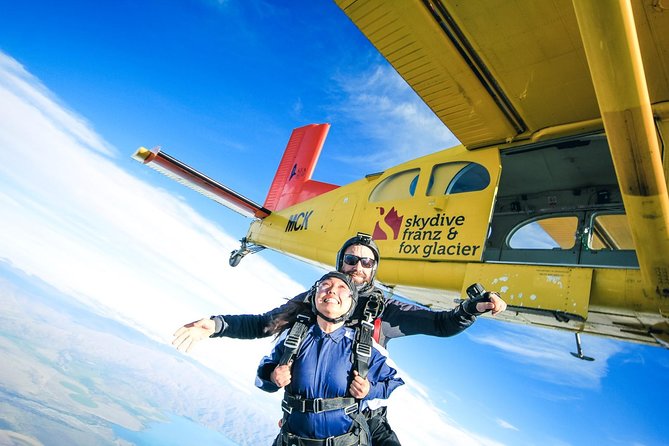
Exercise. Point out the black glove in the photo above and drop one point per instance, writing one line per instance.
(476, 294)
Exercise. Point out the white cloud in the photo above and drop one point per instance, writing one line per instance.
(16, 81)
(390, 113)
(544, 354)
(78, 221)
(506, 425)
(417, 420)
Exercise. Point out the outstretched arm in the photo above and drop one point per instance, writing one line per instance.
(403, 319)
(249, 326)
(240, 326)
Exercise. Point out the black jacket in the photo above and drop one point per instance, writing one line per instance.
(398, 319)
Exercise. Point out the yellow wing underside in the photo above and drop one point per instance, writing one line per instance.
(496, 71)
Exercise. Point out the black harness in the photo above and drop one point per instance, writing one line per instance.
(362, 353)
(295, 338)
(364, 333)
(318, 405)
(347, 439)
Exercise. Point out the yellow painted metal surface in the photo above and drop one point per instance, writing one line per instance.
(313, 230)
(439, 227)
(415, 44)
(548, 288)
(614, 57)
(459, 56)
(663, 131)
(447, 276)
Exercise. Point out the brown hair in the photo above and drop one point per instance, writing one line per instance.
(288, 316)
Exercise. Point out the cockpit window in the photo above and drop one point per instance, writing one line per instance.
(610, 231)
(546, 233)
(458, 177)
(396, 187)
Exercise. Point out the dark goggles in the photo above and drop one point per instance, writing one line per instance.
(352, 260)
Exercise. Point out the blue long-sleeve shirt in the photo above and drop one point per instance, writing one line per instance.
(322, 368)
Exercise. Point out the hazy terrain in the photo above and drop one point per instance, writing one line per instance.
(70, 376)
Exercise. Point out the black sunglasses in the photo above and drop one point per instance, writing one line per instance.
(352, 260)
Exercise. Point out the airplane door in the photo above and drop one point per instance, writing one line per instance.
(340, 216)
(437, 208)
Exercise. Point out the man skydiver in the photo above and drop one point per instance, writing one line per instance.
(359, 258)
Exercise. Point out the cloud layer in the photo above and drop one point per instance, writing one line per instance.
(382, 108)
(76, 219)
(542, 354)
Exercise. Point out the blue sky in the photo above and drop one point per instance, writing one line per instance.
(220, 85)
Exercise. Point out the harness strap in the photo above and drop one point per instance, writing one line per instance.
(364, 333)
(294, 338)
(317, 405)
(348, 439)
(364, 434)
(362, 348)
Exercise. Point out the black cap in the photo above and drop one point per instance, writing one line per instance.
(351, 286)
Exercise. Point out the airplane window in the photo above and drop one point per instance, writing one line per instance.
(454, 178)
(412, 186)
(397, 186)
(545, 233)
(471, 178)
(610, 231)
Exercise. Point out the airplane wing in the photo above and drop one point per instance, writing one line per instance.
(500, 71)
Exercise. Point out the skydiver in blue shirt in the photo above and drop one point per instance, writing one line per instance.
(323, 388)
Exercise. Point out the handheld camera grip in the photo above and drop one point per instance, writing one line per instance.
(476, 291)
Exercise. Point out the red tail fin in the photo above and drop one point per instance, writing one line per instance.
(292, 183)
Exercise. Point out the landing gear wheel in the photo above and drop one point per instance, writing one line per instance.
(237, 255)
(235, 258)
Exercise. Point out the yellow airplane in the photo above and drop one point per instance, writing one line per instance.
(557, 196)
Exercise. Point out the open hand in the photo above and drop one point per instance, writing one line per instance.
(186, 336)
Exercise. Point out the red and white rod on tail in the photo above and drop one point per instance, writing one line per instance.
(292, 183)
(189, 177)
